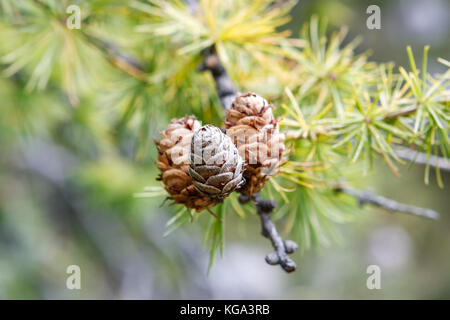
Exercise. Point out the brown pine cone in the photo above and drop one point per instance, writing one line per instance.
(216, 167)
(173, 162)
(255, 132)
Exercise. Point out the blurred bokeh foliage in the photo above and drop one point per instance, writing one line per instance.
(80, 108)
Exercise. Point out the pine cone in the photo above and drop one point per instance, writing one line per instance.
(216, 167)
(255, 132)
(173, 162)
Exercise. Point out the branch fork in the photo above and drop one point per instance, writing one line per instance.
(282, 247)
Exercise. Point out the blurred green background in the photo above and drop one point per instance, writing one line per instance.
(68, 175)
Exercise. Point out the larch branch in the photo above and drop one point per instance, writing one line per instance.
(227, 92)
(422, 158)
(369, 197)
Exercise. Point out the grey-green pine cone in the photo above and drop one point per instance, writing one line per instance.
(216, 167)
